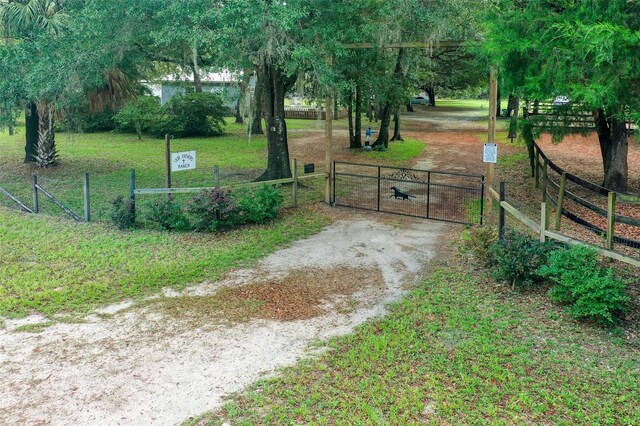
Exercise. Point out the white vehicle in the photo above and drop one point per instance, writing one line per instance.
(560, 101)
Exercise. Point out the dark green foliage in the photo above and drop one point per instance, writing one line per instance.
(479, 241)
(168, 215)
(211, 210)
(590, 291)
(518, 258)
(139, 116)
(192, 114)
(122, 213)
(83, 121)
(258, 206)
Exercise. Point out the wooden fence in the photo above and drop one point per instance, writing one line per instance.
(312, 114)
(544, 167)
(294, 180)
(39, 189)
(541, 227)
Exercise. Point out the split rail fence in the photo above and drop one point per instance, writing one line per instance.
(294, 180)
(38, 188)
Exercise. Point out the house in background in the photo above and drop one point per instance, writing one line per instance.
(226, 84)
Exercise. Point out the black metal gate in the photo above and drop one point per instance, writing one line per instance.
(445, 196)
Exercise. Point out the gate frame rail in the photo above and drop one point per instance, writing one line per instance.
(427, 183)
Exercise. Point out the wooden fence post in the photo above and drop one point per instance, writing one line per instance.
(501, 218)
(544, 176)
(294, 187)
(167, 156)
(563, 186)
(611, 219)
(87, 208)
(537, 166)
(491, 137)
(216, 176)
(36, 207)
(132, 192)
(544, 221)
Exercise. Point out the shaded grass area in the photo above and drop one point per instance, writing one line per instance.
(400, 153)
(454, 352)
(55, 266)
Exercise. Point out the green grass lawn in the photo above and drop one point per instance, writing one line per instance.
(454, 352)
(51, 265)
(399, 154)
(109, 157)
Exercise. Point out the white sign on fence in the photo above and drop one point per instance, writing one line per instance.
(490, 153)
(183, 161)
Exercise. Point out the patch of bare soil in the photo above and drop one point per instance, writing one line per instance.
(581, 156)
(301, 294)
(162, 361)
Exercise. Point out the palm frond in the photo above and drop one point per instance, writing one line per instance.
(116, 90)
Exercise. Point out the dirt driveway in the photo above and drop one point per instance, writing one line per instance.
(161, 361)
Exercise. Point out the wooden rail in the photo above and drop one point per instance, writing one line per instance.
(311, 114)
(543, 180)
(15, 200)
(58, 203)
(541, 229)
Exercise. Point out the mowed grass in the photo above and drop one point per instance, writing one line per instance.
(54, 266)
(399, 154)
(109, 157)
(454, 352)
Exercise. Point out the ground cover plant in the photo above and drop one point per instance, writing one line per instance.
(66, 268)
(453, 352)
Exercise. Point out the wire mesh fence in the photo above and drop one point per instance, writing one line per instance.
(449, 197)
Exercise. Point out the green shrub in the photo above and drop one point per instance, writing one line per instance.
(139, 116)
(123, 213)
(479, 241)
(211, 210)
(82, 121)
(592, 292)
(258, 206)
(192, 114)
(518, 258)
(168, 215)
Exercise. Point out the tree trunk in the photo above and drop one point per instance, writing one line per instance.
(352, 136)
(514, 108)
(31, 133)
(197, 83)
(239, 119)
(383, 137)
(358, 129)
(614, 147)
(385, 120)
(369, 112)
(273, 85)
(256, 112)
(499, 105)
(396, 126)
(46, 152)
(431, 93)
(409, 107)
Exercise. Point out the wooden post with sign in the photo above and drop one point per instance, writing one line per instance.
(493, 104)
(167, 156)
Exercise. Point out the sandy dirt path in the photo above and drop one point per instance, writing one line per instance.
(139, 366)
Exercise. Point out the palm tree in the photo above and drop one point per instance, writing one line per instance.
(20, 21)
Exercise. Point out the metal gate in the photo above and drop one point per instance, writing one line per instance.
(445, 196)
